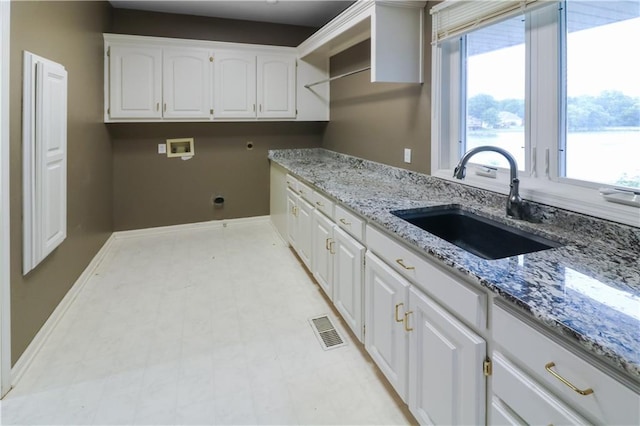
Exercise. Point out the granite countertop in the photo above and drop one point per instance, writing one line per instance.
(587, 290)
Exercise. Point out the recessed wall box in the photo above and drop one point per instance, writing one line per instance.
(180, 147)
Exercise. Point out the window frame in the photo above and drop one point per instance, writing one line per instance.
(544, 112)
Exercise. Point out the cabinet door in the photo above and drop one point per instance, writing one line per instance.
(348, 263)
(323, 244)
(276, 87)
(135, 82)
(532, 402)
(386, 294)
(446, 379)
(235, 85)
(305, 228)
(187, 80)
(292, 219)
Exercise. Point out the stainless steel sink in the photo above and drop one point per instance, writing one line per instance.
(483, 237)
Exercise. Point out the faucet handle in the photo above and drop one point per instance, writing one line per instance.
(459, 172)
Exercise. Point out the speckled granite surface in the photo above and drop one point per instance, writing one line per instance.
(588, 290)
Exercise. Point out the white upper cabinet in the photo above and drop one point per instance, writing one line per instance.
(187, 83)
(135, 77)
(152, 78)
(276, 86)
(235, 82)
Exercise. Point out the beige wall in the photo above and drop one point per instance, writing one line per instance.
(377, 121)
(153, 190)
(68, 33)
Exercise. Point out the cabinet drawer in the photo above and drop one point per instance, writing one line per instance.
(292, 183)
(349, 222)
(467, 303)
(322, 203)
(530, 401)
(611, 401)
(306, 192)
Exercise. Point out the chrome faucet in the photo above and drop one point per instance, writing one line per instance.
(515, 204)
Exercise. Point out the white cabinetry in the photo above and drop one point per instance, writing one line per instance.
(299, 226)
(135, 77)
(386, 340)
(235, 76)
(276, 86)
(348, 259)
(323, 247)
(446, 380)
(186, 83)
(250, 85)
(544, 382)
(152, 78)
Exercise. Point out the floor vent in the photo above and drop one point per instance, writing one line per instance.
(327, 334)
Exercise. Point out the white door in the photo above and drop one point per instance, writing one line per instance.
(386, 300)
(51, 157)
(305, 229)
(292, 218)
(187, 81)
(276, 87)
(446, 379)
(235, 85)
(323, 245)
(135, 85)
(348, 263)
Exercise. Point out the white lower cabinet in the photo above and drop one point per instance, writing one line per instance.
(348, 259)
(446, 380)
(519, 398)
(299, 214)
(322, 248)
(386, 296)
(431, 359)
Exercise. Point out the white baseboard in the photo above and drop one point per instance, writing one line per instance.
(43, 334)
(198, 226)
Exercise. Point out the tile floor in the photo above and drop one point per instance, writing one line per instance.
(200, 327)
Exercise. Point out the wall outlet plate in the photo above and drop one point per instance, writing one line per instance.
(407, 155)
(162, 148)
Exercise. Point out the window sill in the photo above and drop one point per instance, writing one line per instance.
(565, 196)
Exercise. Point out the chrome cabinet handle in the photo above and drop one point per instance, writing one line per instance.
(344, 222)
(398, 307)
(552, 364)
(331, 247)
(157, 106)
(401, 263)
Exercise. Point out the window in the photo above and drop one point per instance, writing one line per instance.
(602, 141)
(495, 89)
(552, 82)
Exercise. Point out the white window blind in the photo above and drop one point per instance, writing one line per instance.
(456, 17)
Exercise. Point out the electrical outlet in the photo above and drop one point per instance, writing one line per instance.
(407, 155)
(162, 148)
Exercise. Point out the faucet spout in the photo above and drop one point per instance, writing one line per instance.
(515, 204)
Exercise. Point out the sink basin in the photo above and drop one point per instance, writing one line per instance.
(481, 236)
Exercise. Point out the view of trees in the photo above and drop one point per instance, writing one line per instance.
(610, 109)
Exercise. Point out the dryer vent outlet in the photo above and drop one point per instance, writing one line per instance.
(218, 201)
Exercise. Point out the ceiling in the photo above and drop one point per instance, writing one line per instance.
(310, 13)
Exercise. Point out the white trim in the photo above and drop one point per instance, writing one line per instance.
(43, 334)
(199, 226)
(5, 248)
